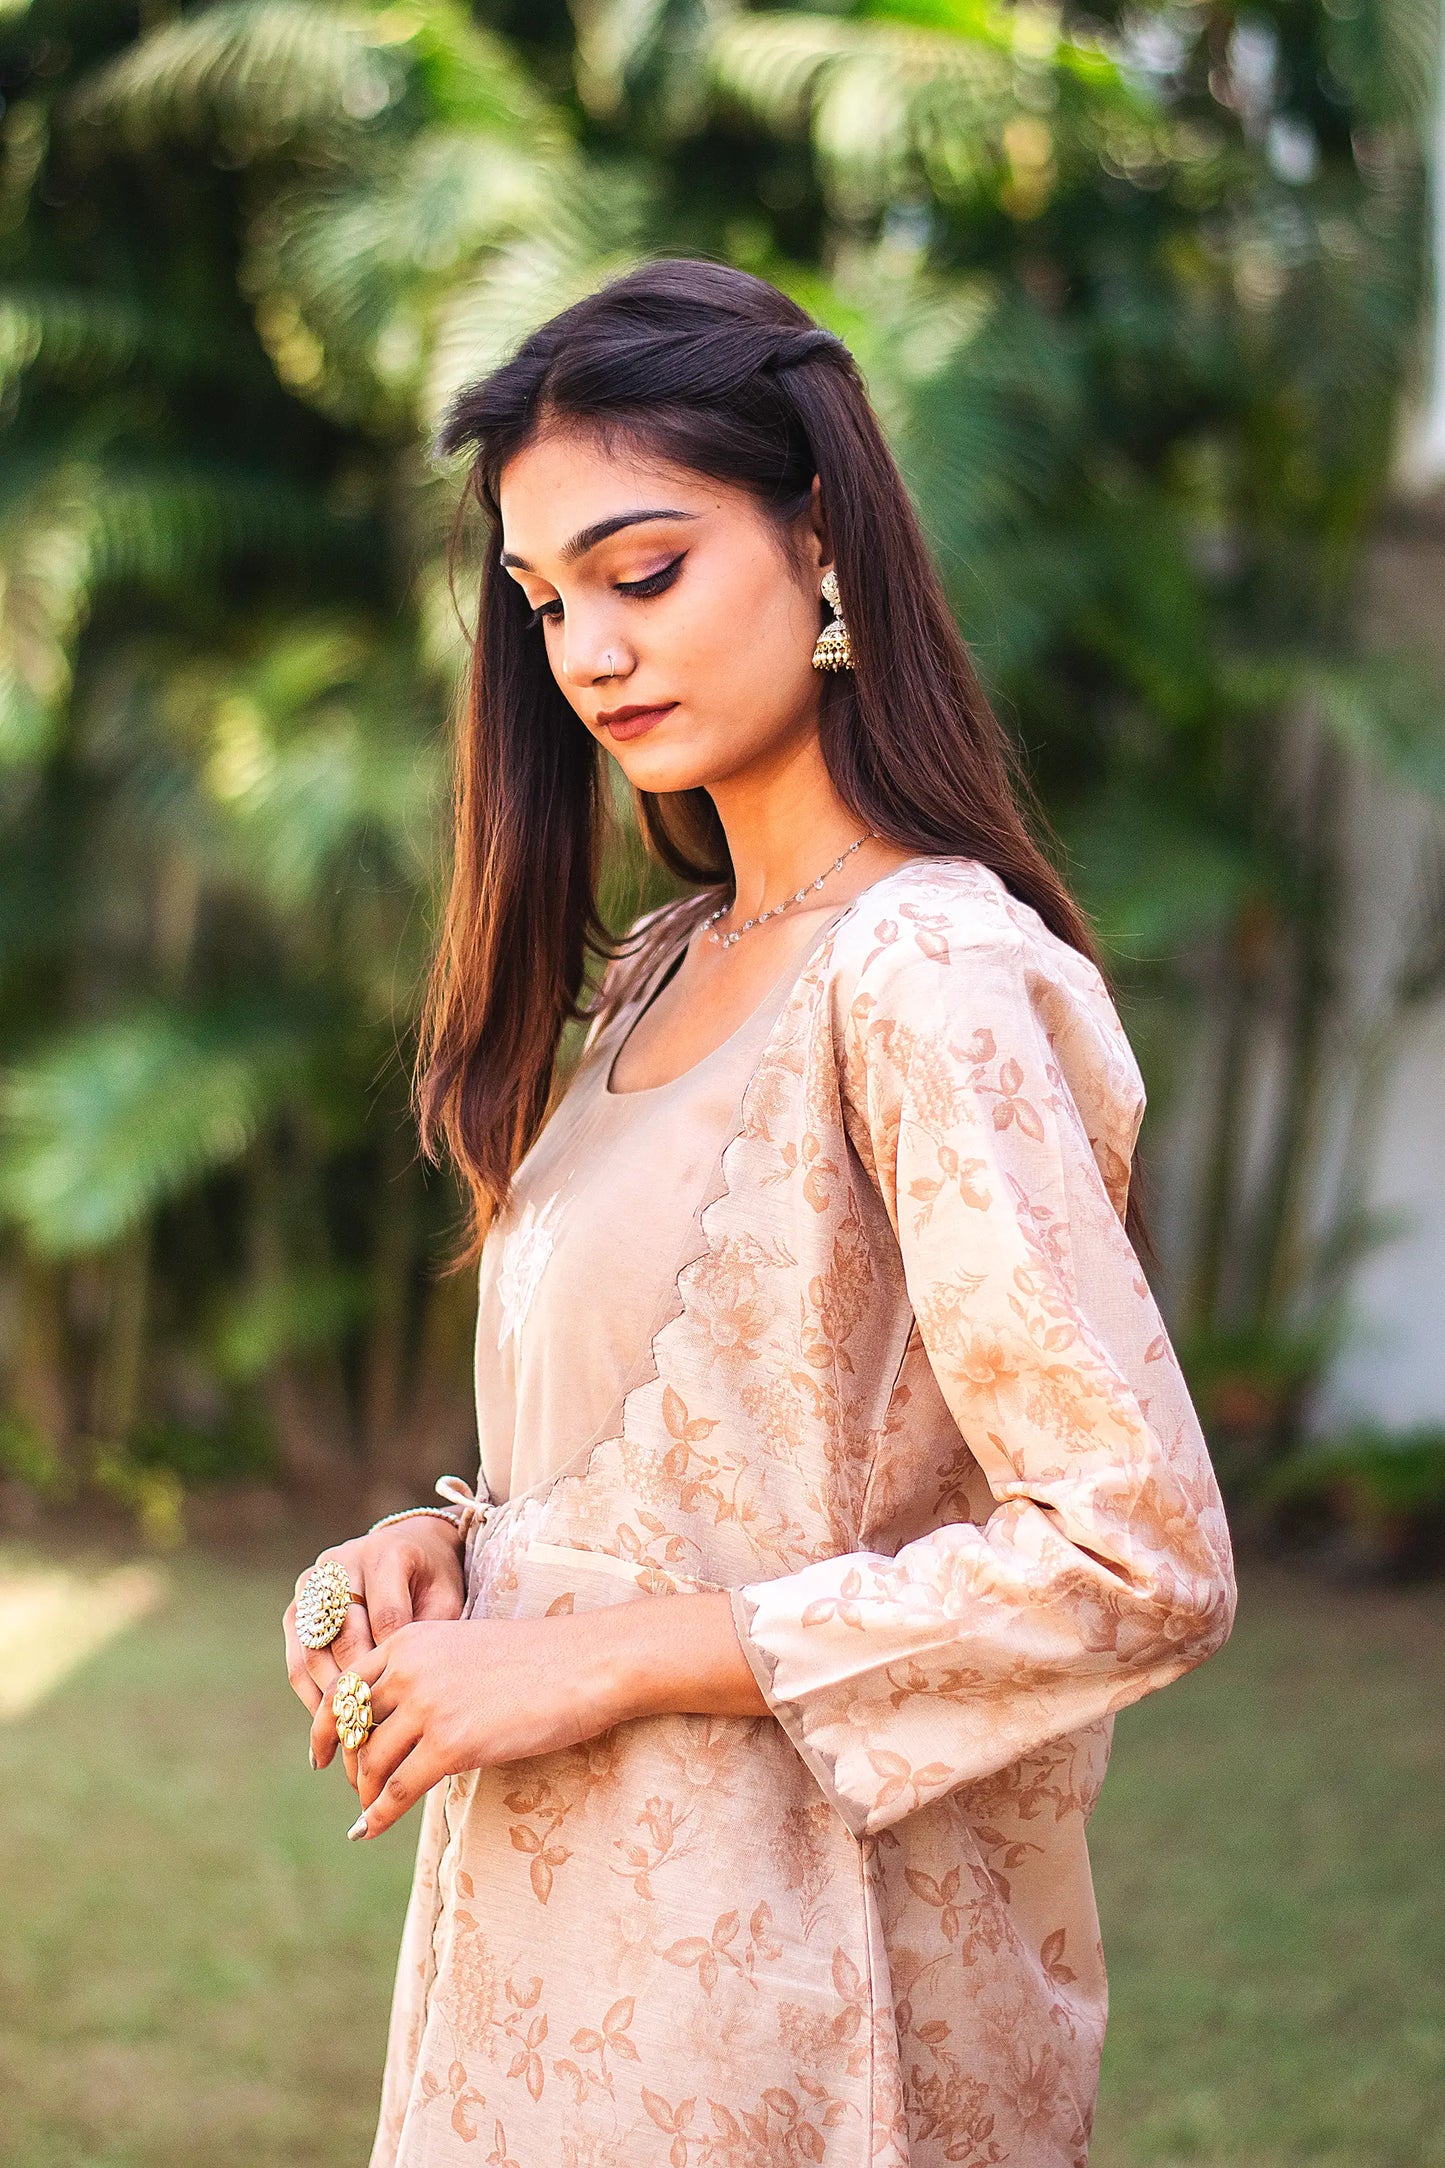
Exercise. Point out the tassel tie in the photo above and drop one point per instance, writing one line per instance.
(464, 1509)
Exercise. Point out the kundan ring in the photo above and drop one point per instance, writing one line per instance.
(351, 1707)
(321, 1605)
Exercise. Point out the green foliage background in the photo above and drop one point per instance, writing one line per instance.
(1137, 291)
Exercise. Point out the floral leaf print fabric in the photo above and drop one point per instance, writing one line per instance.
(1104, 1569)
(907, 1397)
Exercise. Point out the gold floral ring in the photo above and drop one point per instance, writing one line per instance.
(351, 1707)
(322, 1604)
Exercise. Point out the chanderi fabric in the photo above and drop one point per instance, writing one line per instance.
(903, 1392)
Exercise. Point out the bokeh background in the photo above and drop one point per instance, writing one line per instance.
(1145, 297)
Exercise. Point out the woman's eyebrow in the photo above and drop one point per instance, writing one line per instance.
(589, 537)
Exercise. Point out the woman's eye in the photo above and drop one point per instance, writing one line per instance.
(656, 582)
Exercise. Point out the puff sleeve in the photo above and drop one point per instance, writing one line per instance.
(991, 1095)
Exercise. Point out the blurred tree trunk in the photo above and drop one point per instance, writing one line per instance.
(115, 1404)
(304, 1394)
(42, 1375)
(1278, 1260)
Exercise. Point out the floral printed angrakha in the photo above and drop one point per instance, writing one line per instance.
(911, 1403)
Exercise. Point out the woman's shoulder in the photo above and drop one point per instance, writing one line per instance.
(939, 919)
(941, 948)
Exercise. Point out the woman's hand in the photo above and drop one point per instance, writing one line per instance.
(448, 1697)
(412, 1570)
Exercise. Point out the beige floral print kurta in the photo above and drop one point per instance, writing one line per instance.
(914, 1406)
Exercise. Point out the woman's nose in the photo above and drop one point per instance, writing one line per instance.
(593, 652)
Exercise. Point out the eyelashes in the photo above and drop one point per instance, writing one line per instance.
(656, 583)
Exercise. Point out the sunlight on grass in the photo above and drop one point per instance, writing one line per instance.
(52, 1619)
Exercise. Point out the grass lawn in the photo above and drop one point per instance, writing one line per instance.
(195, 1965)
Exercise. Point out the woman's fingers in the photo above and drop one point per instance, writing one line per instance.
(383, 1753)
(407, 1572)
(297, 1672)
(389, 1595)
(413, 1777)
(439, 1589)
(324, 1741)
(325, 1666)
(352, 1647)
(370, 1666)
(354, 1640)
(440, 1599)
(323, 1723)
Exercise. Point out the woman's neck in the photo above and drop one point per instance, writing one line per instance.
(784, 828)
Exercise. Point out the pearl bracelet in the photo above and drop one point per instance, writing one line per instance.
(417, 1513)
(466, 1510)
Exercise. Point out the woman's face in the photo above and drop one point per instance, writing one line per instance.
(674, 622)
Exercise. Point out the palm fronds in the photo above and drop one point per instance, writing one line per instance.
(77, 527)
(584, 241)
(110, 1121)
(87, 337)
(897, 110)
(1134, 297)
(347, 273)
(260, 77)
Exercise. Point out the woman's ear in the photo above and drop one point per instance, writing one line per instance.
(817, 540)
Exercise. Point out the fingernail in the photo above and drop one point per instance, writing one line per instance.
(311, 1757)
(358, 1828)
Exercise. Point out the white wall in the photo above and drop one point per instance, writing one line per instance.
(1393, 1373)
(1393, 1370)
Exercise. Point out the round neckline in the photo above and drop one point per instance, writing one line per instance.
(510, 1510)
(674, 964)
(785, 980)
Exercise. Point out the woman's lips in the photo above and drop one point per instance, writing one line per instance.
(624, 723)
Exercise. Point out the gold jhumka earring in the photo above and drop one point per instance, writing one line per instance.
(834, 650)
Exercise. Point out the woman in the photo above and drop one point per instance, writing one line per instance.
(839, 1482)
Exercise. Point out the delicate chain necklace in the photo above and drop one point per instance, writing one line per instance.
(726, 940)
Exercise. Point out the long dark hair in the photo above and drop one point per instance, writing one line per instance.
(717, 372)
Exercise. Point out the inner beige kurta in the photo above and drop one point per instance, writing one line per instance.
(582, 1271)
(910, 1401)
